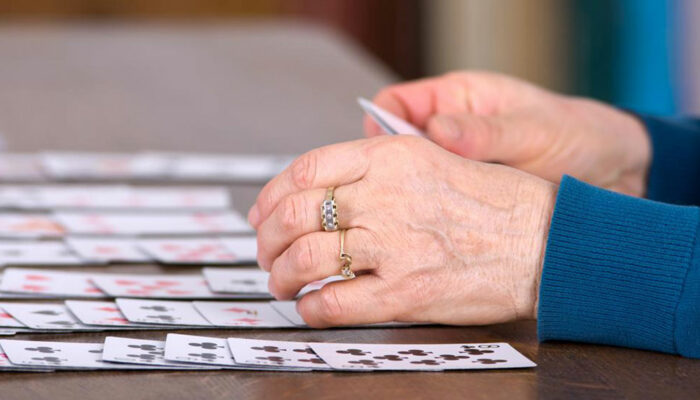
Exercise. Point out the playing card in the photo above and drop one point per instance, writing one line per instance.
(74, 165)
(176, 198)
(102, 313)
(140, 351)
(36, 253)
(198, 350)
(244, 248)
(236, 280)
(107, 250)
(49, 283)
(161, 312)
(189, 251)
(158, 286)
(18, 225)
(209, 351)
(389, 122)
(241, 314)
(275, 353)
(8, 321)
(420, 357)
(288, 309)
(48, 197)
(246, 168)
(161, 223)
(18, 167)
(6, 365)
(60, 355)
(45, 316)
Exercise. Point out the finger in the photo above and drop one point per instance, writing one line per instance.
(417, 101)
(334, 165)
(362, 300)
(484, 138)
(299, 214)
(316, 256)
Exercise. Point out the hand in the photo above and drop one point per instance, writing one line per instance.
(434, 237)
(490, 117)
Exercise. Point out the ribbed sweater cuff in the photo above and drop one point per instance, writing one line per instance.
(674, 174)
(615, 268)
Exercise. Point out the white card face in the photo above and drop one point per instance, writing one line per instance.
(389, 122)
(45, 316)
(161, 312)
(141, 223)
(49, 283)
(236, 280)
(67, 165)
(36, 253)
(241, 314)
(274, 353)
(288, 309)
(229, 167)
(244, 249)
(155, 286)
(73, 196)
(140, 351)
(15, 225)
(20, 167)
(198, 350)
(177, 198)
(106, 250)
(58, 355)
(188, 251)
(8, 321)
(100, 313)
(420, 357)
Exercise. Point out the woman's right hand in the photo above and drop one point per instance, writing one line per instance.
(496, 118)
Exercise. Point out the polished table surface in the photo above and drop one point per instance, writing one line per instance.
(252, 88)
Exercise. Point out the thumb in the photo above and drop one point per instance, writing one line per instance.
(477, 137)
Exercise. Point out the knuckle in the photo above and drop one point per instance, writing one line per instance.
(330, 308)
(303, 170)
(305, 256)
(291, 213)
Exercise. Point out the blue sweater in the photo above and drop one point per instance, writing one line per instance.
(624, 271)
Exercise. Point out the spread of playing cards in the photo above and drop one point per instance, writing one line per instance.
(66, 217)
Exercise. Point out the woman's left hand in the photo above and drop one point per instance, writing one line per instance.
(433, 237)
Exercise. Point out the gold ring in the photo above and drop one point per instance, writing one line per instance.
(345, 258)
(329, 212)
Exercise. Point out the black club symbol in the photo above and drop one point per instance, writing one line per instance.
(488, 361)
(476, 352)
(274, 359)
(268, 349)
(207, 345)
(307, 351)
(43, 349)
(452, 357)
(312, 360)
(390, 357)
(247, 282)
(61, 323)
(169, 318)
(144, 357)
(47, 312)
(354, 352)
(415, 352)
(49, 359)
(146, 347)
(427, 362)
(156, 308)
(97, 351)
(369, 363)
(206, 356)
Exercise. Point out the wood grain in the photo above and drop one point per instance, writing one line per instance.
(257, 88)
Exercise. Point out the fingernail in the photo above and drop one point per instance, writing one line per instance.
(448, 127)
(254, 216)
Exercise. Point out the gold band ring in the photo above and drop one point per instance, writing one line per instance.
(345, 258)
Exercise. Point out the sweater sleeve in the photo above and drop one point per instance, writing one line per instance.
(674, 174)
(621, 271)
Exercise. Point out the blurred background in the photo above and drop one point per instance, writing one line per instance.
(639, 54)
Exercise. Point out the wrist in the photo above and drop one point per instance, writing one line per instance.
(548, 195)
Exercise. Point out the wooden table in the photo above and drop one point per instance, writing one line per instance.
(257, 88)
